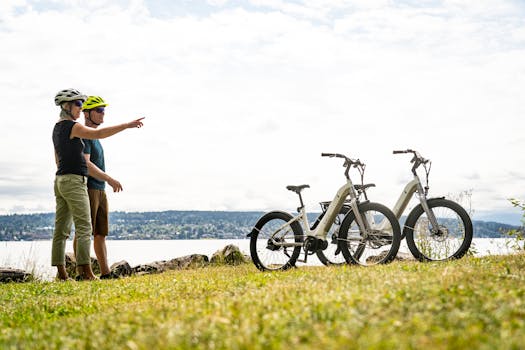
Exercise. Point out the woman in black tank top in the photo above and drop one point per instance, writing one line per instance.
(72, 203)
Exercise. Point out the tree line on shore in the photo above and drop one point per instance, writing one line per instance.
(174, 225)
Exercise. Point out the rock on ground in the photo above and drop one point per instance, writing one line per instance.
(229, 255)
(8, 274)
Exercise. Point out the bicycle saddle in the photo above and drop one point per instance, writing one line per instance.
(297, 189)
(364, 187)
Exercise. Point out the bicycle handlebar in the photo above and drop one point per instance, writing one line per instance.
(348, 161)
(417, 156)
(331, 155)
(356, 163)
(417, 159)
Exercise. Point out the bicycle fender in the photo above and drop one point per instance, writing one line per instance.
(434, 198)
(259, 222)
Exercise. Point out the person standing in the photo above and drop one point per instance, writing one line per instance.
(70, 186)
(94, 111)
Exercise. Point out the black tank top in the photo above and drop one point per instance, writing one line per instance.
(69, 151)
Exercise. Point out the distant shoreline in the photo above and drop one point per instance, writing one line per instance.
(176, 225)
(503, 218)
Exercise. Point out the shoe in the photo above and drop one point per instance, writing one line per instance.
(80, 278)
(69, 279)
(109, 276)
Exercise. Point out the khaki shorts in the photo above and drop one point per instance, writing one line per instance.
(99, 212)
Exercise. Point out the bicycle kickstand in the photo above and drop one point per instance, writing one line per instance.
(305, 252)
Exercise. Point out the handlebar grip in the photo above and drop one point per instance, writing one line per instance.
(331, 155)
(405, 151)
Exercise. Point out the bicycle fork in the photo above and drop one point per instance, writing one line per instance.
(430, 214)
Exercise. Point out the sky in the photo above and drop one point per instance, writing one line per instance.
(240, 98)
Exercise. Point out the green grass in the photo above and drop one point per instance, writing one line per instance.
(473, 303)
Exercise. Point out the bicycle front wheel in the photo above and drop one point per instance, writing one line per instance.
(275, 243)
(451, 239)
(377, 243)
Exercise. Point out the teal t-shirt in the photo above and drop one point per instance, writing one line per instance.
(96, 155)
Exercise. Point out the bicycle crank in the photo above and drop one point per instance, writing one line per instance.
(313, 244)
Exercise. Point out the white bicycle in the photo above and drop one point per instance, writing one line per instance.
(278, 237)
(437, 228)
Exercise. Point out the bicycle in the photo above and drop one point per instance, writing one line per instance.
(436, 229)
(333, 254)
(278, 237)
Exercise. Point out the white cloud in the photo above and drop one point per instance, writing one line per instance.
(240, 101)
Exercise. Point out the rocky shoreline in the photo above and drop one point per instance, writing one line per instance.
(229, 255)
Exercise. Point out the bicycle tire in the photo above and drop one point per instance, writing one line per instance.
(378, 247)
(332, 255)
(268, 256)
(453, 239)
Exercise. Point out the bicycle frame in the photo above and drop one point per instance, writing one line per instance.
(405, 197)
(412, 187)
(333, 210)
(329, 217)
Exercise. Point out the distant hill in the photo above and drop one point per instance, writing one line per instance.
(172, 225)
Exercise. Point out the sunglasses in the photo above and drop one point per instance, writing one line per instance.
(99, 109)
(78, 103)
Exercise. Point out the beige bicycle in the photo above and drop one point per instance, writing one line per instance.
(435, 229)
(278, 237)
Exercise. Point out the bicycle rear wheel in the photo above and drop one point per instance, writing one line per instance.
(451, 241)
(275, 244)
(379, 244)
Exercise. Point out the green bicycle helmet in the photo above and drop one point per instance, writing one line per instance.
(67, 95)
(93, 102)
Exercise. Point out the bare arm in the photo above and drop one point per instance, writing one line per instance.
(94, 171)
(85, 132)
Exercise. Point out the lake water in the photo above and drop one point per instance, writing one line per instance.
(35, 256)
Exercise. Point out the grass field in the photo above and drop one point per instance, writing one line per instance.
(473, 303)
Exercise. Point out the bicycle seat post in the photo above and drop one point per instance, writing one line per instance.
(301, 201)
(298, 189)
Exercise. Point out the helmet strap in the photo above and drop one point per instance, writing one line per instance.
(89, 118)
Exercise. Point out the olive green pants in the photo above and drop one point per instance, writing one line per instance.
(72, 206)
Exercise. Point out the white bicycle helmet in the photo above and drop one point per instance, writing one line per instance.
(69, 95)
